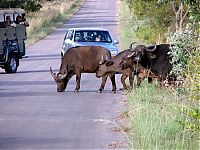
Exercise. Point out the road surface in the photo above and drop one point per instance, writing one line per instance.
(34, 116)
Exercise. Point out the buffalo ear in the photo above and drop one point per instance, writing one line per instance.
(109, 63)
(151, 56)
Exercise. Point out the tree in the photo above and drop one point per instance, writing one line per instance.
(28, 5)
(181, 13)
(161, 16)
(183, 10)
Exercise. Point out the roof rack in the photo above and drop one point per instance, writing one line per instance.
(11, 11)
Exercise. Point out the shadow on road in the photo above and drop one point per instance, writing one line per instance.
(29, 71)
(19, 142)
(42, 57)
(18, 83)
(35, 71)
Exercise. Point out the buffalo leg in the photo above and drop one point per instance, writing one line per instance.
(123, 78)
(131, 79)
(103, 82)
(69, 76)
(112, 78)
(78, 79)
(140, 77)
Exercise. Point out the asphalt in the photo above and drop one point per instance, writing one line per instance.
(34, 116)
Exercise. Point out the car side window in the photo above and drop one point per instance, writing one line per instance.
(66, 35)
(70, 34)
(107, 37)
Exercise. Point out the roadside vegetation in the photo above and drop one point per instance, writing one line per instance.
(44, 16)
(165, 118)
(52, 15)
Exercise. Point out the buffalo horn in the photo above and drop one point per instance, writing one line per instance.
(62, 76)
(152, 50)
(131, 46)
(52, 74)
(59, 76)
(103, 60)
(106, 58)
(130, 55)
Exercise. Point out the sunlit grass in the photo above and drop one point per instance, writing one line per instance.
(154, 115)
(51, 15)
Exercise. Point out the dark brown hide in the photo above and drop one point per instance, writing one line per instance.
(112, 67)
(83, 59)
(154, 58)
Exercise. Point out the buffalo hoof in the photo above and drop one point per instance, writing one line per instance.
(100, 91)
(60, 90)
(76, 91)
(124, 88)
(113, 91)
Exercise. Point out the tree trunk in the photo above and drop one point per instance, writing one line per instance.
(180, 14)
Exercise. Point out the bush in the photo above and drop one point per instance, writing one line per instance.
(150, 19)
(191, 118)
(186, 66)
(28, 5)
(181, 52)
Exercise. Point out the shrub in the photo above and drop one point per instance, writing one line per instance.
(28, 5)
(192, 114)
(180, 52)
(186, 66)
(150, 19)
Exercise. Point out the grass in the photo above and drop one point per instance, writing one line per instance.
(52, 15)
(154, 113)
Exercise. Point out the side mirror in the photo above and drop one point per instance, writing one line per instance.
(115, 42)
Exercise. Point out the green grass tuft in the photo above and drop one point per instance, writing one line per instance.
(154, 115)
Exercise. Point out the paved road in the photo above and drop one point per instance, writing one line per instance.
(34, 116)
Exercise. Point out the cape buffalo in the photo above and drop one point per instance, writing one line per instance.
(82, 59)
(112, 66)
(154, 58)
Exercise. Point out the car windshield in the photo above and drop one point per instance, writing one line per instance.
(92, 36)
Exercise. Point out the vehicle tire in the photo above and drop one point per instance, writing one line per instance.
(12, 64)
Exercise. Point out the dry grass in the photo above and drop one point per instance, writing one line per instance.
(51, 15)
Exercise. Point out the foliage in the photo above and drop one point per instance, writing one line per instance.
(191, 118)
(192, 114)
(28, 5)
(159, 17)
(186, 64)
(151, 19)
(180, 52)
(193, 75)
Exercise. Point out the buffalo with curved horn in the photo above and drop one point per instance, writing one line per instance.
(154, 58)
(82, 59)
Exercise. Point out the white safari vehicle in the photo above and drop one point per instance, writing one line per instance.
(12, 37)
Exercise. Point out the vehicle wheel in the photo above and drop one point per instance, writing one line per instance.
(12, 64)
